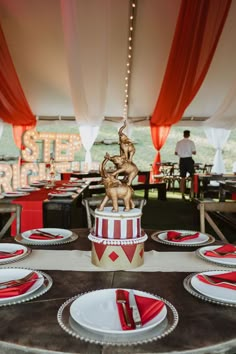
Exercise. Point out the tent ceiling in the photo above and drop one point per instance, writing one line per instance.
(34, 33)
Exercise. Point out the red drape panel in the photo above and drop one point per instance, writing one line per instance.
(198, 29)
(14, 108)
(159, 136)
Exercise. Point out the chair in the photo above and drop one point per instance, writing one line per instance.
(91, 203)
(15, 211)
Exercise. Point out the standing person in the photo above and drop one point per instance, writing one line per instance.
(185, 148)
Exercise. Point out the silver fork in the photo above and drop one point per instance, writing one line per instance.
(44, 233)
(120, 299)
(17, 281)
(212, 281)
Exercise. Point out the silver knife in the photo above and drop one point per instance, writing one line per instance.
(135, 310)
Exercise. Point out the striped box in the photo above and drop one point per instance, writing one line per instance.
(118, 225)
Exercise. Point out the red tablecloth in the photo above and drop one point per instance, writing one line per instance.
(32, 209)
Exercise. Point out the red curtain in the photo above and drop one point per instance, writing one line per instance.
(159, 136)
(198, 29)
(14, 108)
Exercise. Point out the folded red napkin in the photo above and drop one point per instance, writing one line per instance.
(220, 280)
(43, 237)
(224, 252)
(18, 252)
(179, 237)
(20, 289)
(148, 309)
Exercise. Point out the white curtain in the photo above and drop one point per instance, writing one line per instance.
(87, 56)
(88, 135)
(218, 138)
(1, 128)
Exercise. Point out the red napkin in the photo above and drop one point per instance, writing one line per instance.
(224, 249)
(148, 309)
(174, 236)
(43, 237)
(18, 252)
(220, 280)
(20, 289)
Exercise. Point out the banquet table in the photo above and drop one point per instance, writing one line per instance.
(32, 327)
(39, 209)
(202, 181)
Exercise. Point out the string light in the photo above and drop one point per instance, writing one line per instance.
(132, 12)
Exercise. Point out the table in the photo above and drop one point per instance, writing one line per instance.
(97, 188)
(32, 326)
(226, 187)
(39, 210)
(202, 181)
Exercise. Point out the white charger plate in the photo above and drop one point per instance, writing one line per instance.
(67, 189)
(62, 232)
(164, 328)
(28, 189)
(14, 194)
(219, 260)
(17, 273)
(97, 311)
(212, 291)
(61, 194)
(202, 238)
(12, 247)
(73, 184)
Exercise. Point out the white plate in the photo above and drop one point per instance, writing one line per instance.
(61, 195)
(67, 189)
(62, 232)
(73, 184)
(17, 273)
(220, 260)
(28, 189)
(212, 291)
(1, 196)
(15, 194)
(11, 247)
(97, 311)
(38, 183)
(198, 240)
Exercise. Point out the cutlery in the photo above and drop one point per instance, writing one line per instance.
(225, 253)
(5, 252)
(135, 310)
(47, 234)
(120, 299)
(16, 281)
(217, 280)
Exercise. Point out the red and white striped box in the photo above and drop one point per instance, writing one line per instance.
(118, 225)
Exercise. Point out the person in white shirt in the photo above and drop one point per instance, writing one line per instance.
(185, 148)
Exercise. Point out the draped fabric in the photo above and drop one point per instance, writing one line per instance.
(87, 56)
(88, 135)
(198, 30)
(159, 136)
(14, 108)
(218, 138)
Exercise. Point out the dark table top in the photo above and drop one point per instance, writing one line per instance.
(32, 327)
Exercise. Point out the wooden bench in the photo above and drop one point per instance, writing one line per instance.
(216, 207)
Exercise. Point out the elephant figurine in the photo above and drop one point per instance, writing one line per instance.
(115, 190)
(128, 168)
(126, 145)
